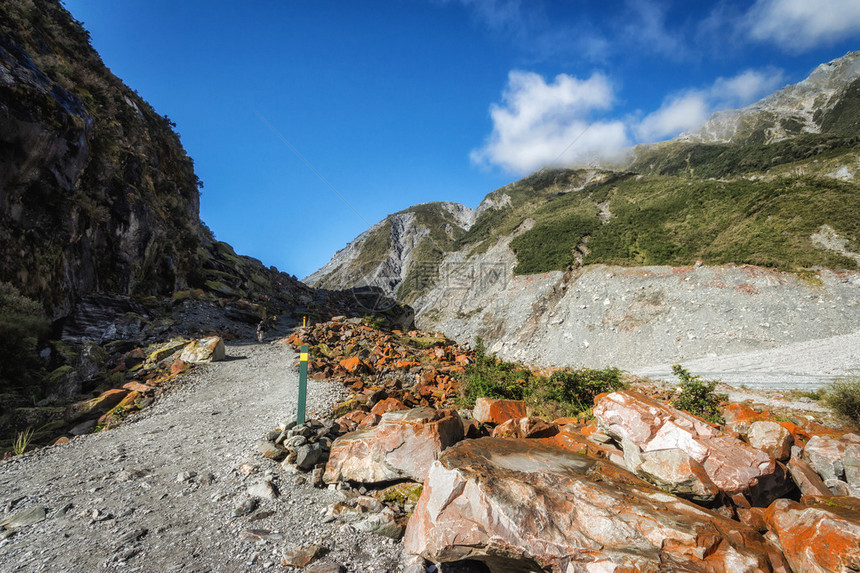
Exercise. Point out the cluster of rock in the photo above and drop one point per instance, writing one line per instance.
(646, 488)
(303, 447)
(120, 382)
(642, 486)
(399, 369)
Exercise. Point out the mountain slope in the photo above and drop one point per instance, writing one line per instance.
(819, 104)
(752, 193)
(96, 192)
(100, 237)
(393, 254)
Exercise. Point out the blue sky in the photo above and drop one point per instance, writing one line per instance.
(393, 103)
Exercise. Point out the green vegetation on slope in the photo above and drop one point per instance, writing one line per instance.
(704, 160)
(525, 197)
(844, 117)
(443, 234)
(22, 324)
(565, 392)
(659, 220)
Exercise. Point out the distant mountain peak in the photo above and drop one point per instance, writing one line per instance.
(793, 110)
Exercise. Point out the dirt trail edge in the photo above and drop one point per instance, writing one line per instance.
(158, 493)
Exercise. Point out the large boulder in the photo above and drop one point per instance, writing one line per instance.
(825, 456)
(732, 465)
(671, 470)
(401, 446)
(819, 535)
(523, 505)
(771, 438)
(495, 411)
(204, 350)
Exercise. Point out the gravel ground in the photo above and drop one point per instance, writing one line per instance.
(158, 493)
(802, 365)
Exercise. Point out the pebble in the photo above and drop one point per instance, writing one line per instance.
(246, 507)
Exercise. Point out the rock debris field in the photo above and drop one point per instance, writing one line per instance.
(162, 491)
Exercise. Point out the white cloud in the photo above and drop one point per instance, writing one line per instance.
(797, 25)
(690, 109)
(676, 115)
(540, 123)
(747, 87)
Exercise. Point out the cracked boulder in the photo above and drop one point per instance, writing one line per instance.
(524, 505)
(730, 464)
(402, 446)
(820, 535)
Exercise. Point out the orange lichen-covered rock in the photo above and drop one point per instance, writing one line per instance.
(730, 464)
(531, 427)
(387, 405)
(352, 365)
(771, 438)
(112, 418)
(99, 405)
(523, 505)
(671, 470)
(494, 411)
(137, 387)
(178, 367)
(819, 534)
(349, 422)
(369, 421)
(741, 413)
(807, 481)
(401, 446)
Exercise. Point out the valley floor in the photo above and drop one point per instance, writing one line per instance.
(158, 493)
(805, 365)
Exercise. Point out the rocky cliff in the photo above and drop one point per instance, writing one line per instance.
(394, 254)
(740, 238)
(825, 102)
(96, 192)
(99, 223)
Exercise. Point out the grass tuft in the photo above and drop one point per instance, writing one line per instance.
(843, 397)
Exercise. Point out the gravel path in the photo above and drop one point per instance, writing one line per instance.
(158, 493)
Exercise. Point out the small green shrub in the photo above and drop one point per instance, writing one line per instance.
(22, 441)
(843, 397)
(490, 377)
(697, 396)
(572, 392)
(564, 393)
(375, 321)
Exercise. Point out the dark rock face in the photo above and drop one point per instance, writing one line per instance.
(104, 318)
(96, 192)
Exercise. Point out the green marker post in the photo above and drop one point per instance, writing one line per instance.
(303, 384)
